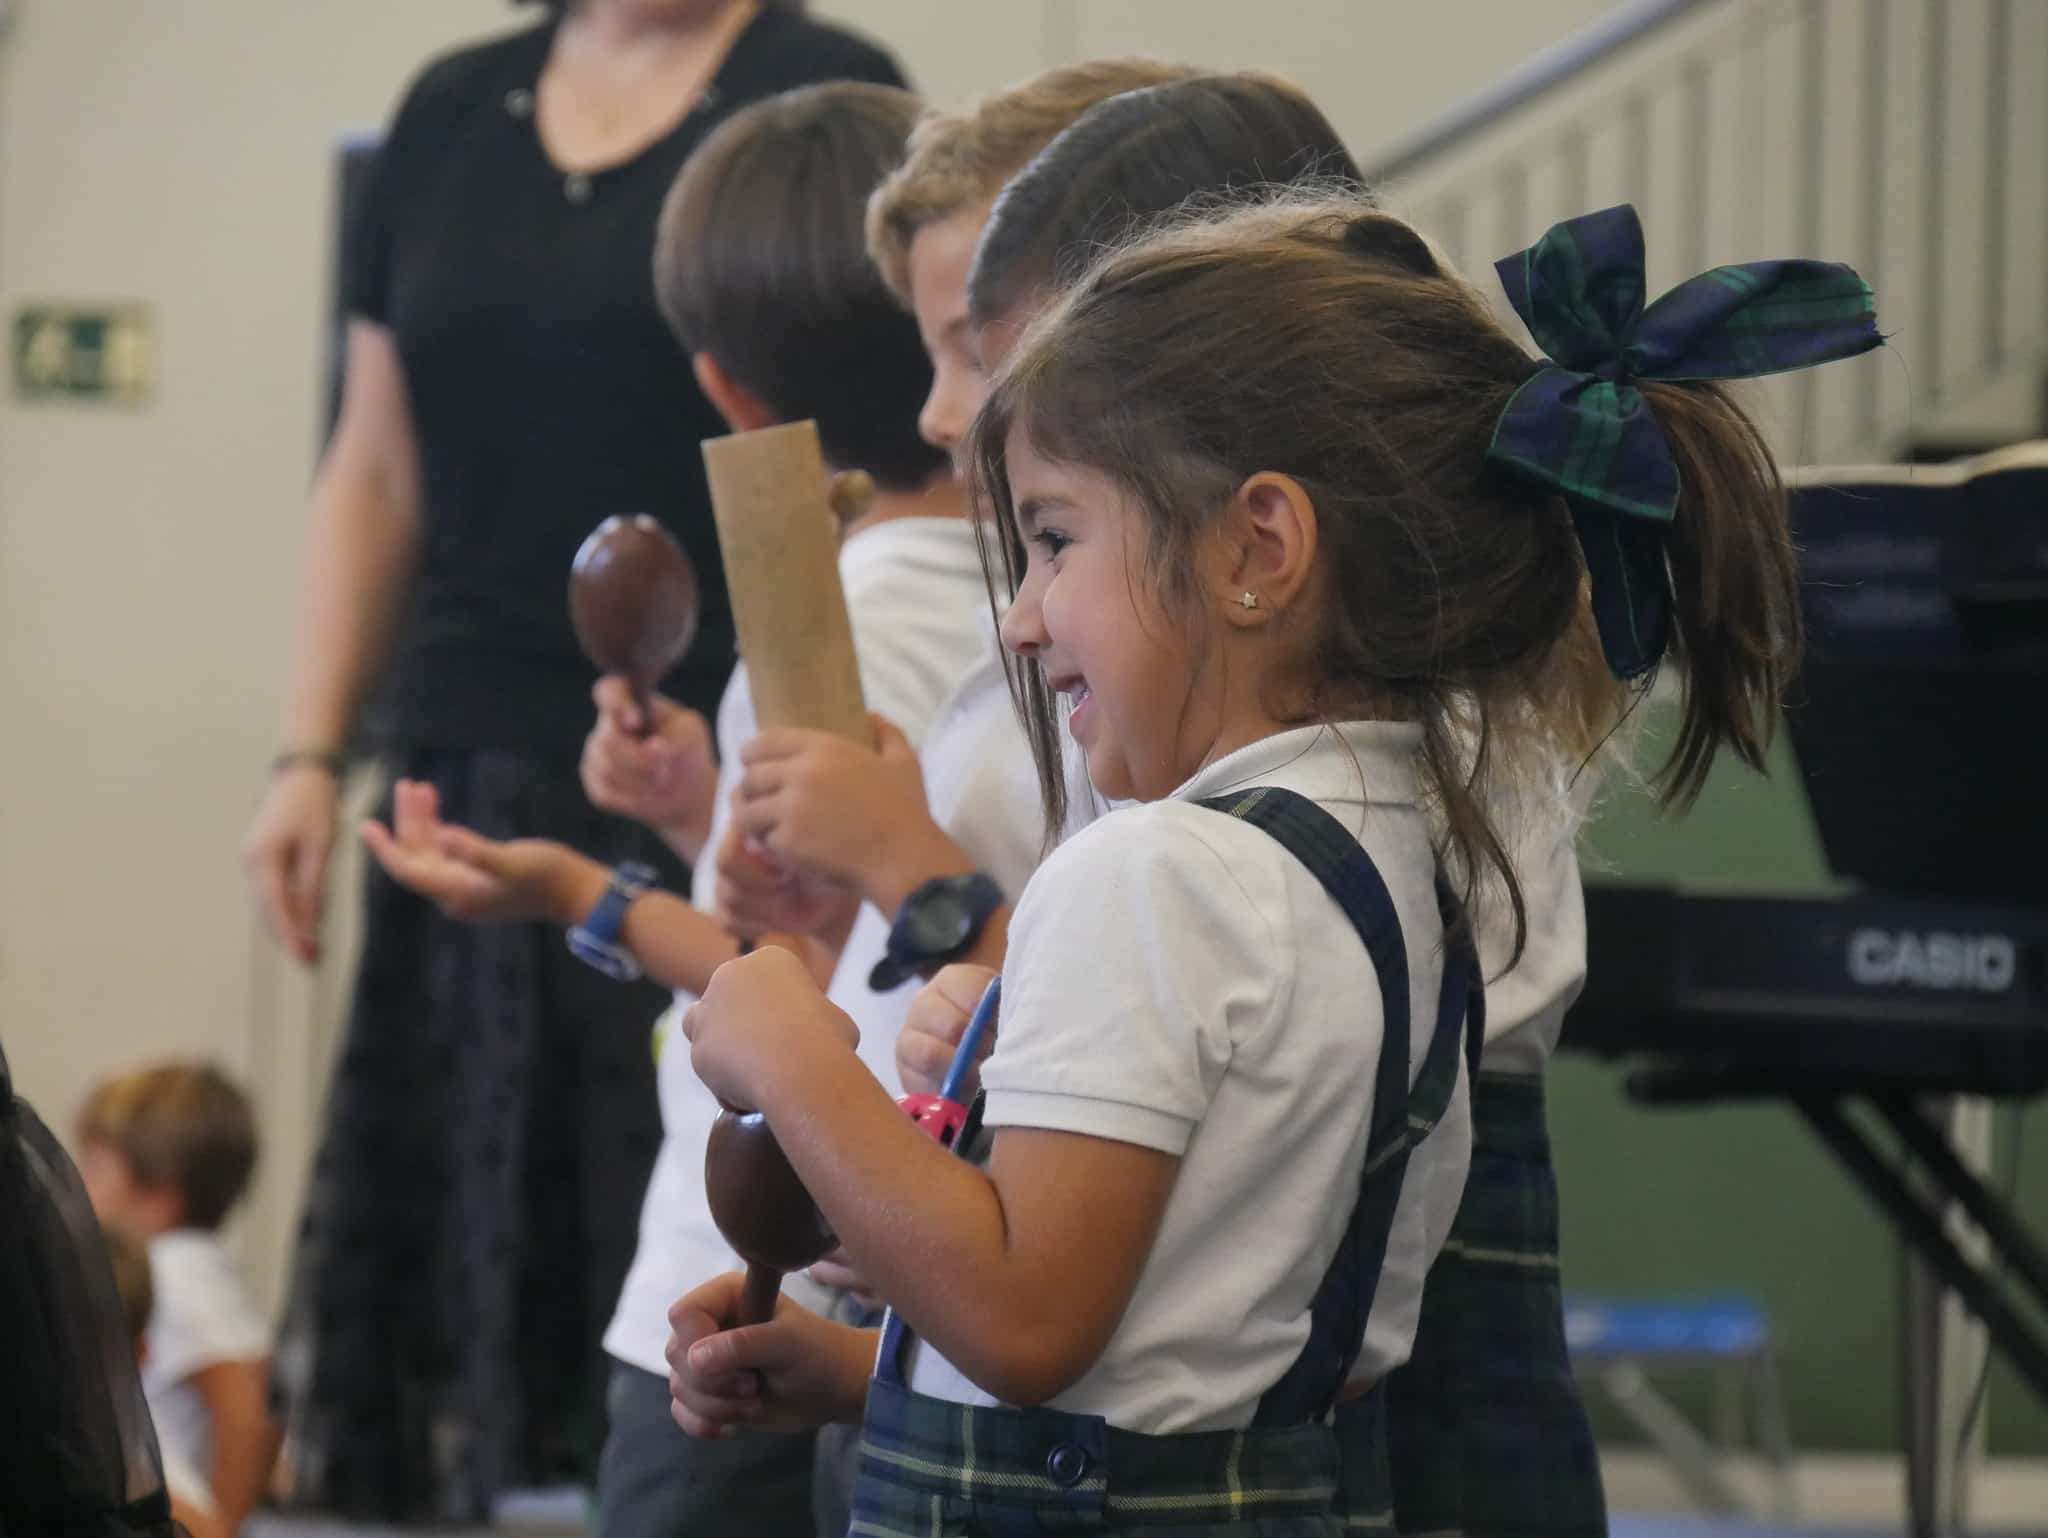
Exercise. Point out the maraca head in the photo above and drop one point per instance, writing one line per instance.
(633, 599)
(756, 1199)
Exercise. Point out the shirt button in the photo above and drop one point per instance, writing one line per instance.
(1065, 1465)
(576, 187)
(519, 102)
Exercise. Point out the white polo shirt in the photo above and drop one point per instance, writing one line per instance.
(919, 607)
(1525, 1006)
(201, 1318)
(982, 788)
(1178, 980)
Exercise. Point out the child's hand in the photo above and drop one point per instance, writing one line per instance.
(760, 1014)
(666, 779)
(471, 877)
(853, 814)
(837, 1271)
(819, 959)
(794, 1373)
(756, 893)
(933, 1026)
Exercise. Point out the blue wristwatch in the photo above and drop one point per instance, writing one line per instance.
(595, 941)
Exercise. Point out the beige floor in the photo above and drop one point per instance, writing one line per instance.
(1836, 1494)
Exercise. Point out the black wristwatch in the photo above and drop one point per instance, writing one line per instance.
(937, 923)
(596, 939)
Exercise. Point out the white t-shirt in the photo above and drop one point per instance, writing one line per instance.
(1178, 980)
(919, 606)
(202, 1318)
(982, 788)
(184, 1483)
(1525, 1006)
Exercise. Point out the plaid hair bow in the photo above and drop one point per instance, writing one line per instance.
(1580, 427)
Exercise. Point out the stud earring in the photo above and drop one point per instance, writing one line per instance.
(1250, 600)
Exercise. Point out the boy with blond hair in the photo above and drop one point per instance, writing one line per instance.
(165, 1153)
(191, 1501)
(924, 221)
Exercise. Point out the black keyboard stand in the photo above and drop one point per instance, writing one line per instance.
(1912, 1207)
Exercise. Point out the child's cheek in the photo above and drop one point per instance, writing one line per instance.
(1056, 609)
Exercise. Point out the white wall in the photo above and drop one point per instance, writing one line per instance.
(175, 155)
(178, 155)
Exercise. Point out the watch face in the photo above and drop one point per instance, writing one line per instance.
(938, 924)
(611, 960)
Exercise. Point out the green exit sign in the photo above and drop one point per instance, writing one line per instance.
(67, 352)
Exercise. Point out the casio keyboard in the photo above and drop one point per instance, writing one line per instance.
(1917, 725)
(1878, 993)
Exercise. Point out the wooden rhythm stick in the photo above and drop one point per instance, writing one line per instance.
(779, 525)
(779, 532)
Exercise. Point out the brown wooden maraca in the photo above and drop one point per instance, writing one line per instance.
(633, 601)
(762, 1208)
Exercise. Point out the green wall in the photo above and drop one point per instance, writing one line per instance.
(1744, 1198)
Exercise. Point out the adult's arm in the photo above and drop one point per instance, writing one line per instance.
(360, 558)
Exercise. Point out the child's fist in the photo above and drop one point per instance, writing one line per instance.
(661, 773)
(794, 1373)
(760, 1014)
(848, 812)
(756, 893)
(932, 1028)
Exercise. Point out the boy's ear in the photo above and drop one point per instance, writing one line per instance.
(743, 410)
(160, 1207)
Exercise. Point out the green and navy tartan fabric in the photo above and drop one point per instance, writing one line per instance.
(935, 1467)
(1580, 427)
(931, 1468)
(1487, 1436)
(1365, 1486)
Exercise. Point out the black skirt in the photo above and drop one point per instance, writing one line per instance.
(475, 1201)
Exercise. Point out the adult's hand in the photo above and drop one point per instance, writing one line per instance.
(286, 852)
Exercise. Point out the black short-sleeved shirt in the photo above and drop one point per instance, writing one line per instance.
(546, 390)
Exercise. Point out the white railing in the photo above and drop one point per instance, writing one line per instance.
(1906, 137)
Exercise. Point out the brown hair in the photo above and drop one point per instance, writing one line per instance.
(1128, 160)
(1332, 346)
(132, 1281)
(960, 160)
(180, 1125)
(759, 261)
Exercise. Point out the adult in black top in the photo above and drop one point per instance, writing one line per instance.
(509, 383)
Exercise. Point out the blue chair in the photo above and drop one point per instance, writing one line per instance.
(1620, 1345)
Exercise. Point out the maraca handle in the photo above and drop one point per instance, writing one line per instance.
(757, 1297)
(643, 701)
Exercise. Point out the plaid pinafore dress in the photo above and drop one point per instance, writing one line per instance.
(932, 1467)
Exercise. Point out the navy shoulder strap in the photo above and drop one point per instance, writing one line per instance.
(1401, 1117)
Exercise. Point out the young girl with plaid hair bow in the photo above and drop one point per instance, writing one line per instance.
(1291, 524)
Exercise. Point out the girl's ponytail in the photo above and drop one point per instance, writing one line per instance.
(1678, 507)
(1736, 630)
